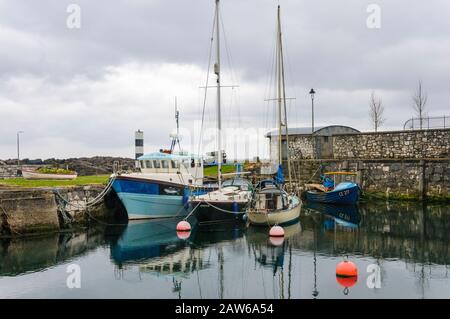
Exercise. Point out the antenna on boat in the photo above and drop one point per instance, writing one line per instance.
(176, 138)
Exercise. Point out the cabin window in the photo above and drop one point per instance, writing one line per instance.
(148, 164)
(165, 164)
(141, 163)
(175, 164)
(156, 164)
(192, 162)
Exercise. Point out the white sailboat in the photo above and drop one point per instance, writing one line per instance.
(230, 200)
(271, 204)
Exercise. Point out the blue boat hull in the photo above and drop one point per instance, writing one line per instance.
(342, 195)
(144, 199)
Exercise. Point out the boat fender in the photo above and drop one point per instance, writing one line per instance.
(235, 207)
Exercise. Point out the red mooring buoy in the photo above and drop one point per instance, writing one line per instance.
(276, 231)
(183, 226)
(346, 269)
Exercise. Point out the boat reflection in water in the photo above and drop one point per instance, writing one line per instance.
(273, 254)
(267, 251)
(224, 233)
(153, 245)
(346, 216)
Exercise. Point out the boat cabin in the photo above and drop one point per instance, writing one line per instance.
(271, 198)
(175, 163)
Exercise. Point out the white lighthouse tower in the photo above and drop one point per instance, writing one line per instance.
(139, 145)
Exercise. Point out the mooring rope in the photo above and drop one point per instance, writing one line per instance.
(218, 208)
(91, 203)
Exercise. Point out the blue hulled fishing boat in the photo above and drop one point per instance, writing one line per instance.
(162, 187)
(343, 193)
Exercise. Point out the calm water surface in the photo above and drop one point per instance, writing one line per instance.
(408, 244)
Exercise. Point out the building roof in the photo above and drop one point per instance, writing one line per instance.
(319, 130)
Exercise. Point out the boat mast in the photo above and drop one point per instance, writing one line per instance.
(282, 97)
(280, 157)
(219, 119)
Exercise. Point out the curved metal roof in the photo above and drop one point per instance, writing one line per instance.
(319, 130)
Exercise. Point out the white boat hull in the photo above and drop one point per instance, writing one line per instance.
(277, 217)
(35, 175)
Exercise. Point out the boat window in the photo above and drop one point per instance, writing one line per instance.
(175, 164)
(142, 164)
(192, 162)
(165, 164)
(148, 164)
(156, 164)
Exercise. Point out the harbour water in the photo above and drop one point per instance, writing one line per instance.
(402, 250)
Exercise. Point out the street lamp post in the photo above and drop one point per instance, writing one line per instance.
(18, 148)
(312, 93)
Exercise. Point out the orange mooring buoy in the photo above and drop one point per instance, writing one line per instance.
(183, 226)
(276, 231)
(346, 269)
(346, 275)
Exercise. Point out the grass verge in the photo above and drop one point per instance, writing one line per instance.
(80, 180)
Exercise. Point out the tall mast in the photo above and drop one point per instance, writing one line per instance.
(282, 98)
(280, 157)
(219, 119)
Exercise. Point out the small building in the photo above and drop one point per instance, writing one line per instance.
(301, 141)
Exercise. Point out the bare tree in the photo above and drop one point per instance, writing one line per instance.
(376, 110)
(420, 99)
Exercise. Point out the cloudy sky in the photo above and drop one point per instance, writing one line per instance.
(84, 91)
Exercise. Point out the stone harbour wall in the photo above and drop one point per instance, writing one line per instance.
(40, 210)
(395, 179)
(395, 144)
(300, 147)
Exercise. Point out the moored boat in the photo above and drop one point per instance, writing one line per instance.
(227, 204)
(162, 187)
(271, 204)
(346, 192)
(343, 193)
(35, 175)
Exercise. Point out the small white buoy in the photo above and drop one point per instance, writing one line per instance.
(276, 231)
(183, 226)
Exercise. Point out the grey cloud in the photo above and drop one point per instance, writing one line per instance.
(57, 82)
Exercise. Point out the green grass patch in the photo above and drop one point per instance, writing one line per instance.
(80, 180)
(211, 171)
(54, 170)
